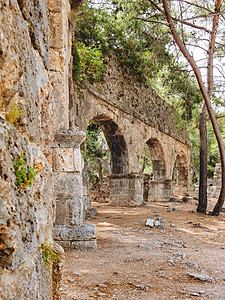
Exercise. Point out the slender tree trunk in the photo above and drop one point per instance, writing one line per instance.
(104, 162)
(143, 165)
(202, 203)
(100, 176)
(205, 94)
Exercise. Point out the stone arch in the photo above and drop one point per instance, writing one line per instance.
(181, 170)
(116, 143)
(158, 159)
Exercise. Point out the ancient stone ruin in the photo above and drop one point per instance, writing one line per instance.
(44, 192)
(132, 116)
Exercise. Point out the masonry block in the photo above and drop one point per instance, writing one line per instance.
(79, 238)
(126, 190)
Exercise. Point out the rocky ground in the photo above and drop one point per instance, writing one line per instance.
(184, 260)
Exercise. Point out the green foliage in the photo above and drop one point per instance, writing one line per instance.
(50, 255)
(88, 63)
(146, 159)
(76, 67)
(141, 47)
(94, 148)
(15, 113)
(25, 175)
(212, 146)
(133, 31)
(116, 27)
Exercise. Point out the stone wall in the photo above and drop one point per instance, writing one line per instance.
(35, 62)
(124, 91)
(132, 115)
(27, 108)
(100, 190)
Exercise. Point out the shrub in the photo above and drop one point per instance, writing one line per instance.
(25, 175)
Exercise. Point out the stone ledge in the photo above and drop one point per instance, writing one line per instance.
(87, 232)
(79, 245)
(69, 138)
(126, 176)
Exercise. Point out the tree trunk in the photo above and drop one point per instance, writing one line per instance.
(100, 176)
(104, 162)
(205, 94)
(143, 165)
(202, 203)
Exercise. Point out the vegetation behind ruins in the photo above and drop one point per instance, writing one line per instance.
(147, 55)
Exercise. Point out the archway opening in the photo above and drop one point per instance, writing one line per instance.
(158, 161)
(145, 162)
(180, 174)
(105, 153)
(116, 143)
(96, 152)
(155, 186)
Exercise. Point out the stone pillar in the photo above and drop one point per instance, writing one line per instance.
(126, 190)
(67, 163)
(160, 190)
(60, 55)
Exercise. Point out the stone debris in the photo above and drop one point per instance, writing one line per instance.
(133, 259)
(150, 222)
(141, 287)
(158, 222)
(181, 255)
(195, 294)
(90, 213)
(169, 209)
(192, 265)
(102, 285)
(172, 225)
(102, 294)
(172, 199)
(70, 279)
(201, 277)
(170, 244)
(171, 261)
(186, 199)
(144, 247)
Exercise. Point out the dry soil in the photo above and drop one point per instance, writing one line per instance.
(136, 262)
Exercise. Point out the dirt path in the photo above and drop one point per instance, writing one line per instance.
(136, 262)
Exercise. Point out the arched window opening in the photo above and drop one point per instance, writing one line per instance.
(158, 161)
(145, 162)
(96, 152)
(180, 171)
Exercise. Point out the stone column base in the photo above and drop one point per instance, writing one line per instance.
(183, 190)
(126, 190)
(160, 190)
(78, 238)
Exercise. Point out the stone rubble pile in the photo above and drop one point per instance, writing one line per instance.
(158, 222)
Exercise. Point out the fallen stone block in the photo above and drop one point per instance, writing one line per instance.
(149, 222)
(201, 277)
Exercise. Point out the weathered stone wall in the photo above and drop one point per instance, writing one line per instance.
(26, 215)
(123, 90)
(100, 190)
(131, 116)
(35, 56)
(127, 135)
(26, 218)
